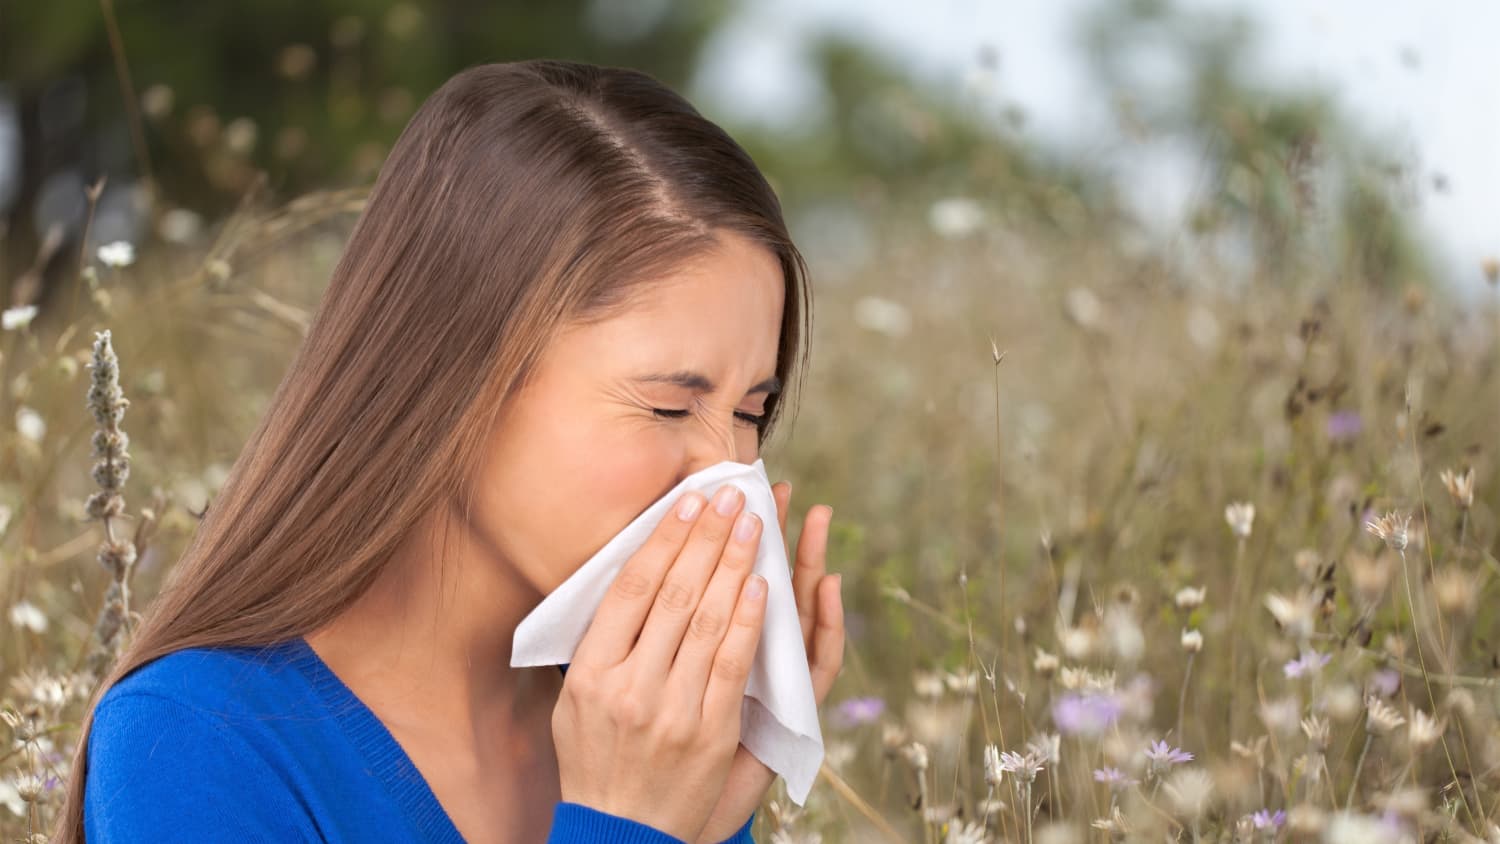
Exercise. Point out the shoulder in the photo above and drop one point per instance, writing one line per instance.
(166, 751)
(234, 695)
(217, 678)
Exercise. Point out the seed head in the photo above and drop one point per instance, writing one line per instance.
(993, 773)
(1192, 641)
(1380, 717)
(1392, 529)
(1424, 730)
(1460, 487)
(1241, 518)
(1045, 664)
(1190, 598)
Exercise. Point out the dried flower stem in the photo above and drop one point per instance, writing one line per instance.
(1234, 638)
(1417, 636)
(110, 471)
(1358, 767)
(1187, 675)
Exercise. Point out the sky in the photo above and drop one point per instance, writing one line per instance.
(1423, 77)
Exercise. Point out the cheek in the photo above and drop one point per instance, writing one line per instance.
(557, 487)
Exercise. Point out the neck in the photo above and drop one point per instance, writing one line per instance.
(429, 642)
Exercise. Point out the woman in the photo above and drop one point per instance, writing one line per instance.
(567, 292)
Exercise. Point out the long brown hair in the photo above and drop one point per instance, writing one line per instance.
(521, 196)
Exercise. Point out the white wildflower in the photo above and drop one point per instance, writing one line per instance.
(18, 317)
(10, 798)
(955, 216)
(993, 773)
(1424, 730)
(30, 424)
(1025, 767)
(1241, 518)
(964, 682)
(1380, 717)
(928, 683)
(1190, 598)
(1045, 664)
(1046, 747)
(1460, 487)
(916, 755)
(1353, 828)
(120, 253)
(24, 614)
(1192, 641)
(1393, 529)
(966, 832)
(1083, 307)
(1190, 790)
(882, 316)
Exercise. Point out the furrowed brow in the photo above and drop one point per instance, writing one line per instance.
(700, 383)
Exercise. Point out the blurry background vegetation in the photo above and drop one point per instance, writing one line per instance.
(1293, 346)
(311, 95)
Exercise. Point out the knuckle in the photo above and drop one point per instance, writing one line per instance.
(712, 535)
(630, 711)
(674, 595)
(737, 558)
(679, 732)
(665, 541)
(731, 666)
(707, 624)
(631, 584)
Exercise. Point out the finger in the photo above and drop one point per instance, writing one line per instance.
(711, 620)
(782, 492)
(812, 548)
(618, 620)
(828, 636)
(683, 588)
(730, 672)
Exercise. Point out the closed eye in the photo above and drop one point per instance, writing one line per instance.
(750, 418)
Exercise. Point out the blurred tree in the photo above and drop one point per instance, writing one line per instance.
(1284, 169)
(311, 94)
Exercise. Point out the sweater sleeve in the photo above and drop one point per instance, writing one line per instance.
(159, 769)
(575, 823)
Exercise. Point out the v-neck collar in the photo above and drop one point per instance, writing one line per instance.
(387, 759)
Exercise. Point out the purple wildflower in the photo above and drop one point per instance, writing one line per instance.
(860, 710)
(1264, 819)
(1384, 682)
(1085, 714)
(1163, 756)
(1025, 767)
(1309, 663)
(1113, 777)
(1344, 425)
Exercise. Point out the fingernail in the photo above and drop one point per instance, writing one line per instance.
(688, 507)
(838, 580)
(756, 587)
(726, 499)
(744, 527)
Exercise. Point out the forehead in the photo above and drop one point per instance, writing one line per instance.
(722, 309)
(738, 277)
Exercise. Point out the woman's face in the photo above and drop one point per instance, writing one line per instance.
(582, 450)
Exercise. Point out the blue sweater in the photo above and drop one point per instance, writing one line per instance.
(251, 744)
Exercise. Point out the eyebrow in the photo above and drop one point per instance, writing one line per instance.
(698, 382)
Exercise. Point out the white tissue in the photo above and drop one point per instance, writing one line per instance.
(779, 716)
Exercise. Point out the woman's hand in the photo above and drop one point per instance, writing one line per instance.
(820, 606)
(648, 720)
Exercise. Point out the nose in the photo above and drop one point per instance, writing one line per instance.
(713, 444)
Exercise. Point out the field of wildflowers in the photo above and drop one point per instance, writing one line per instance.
(1133, 554)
